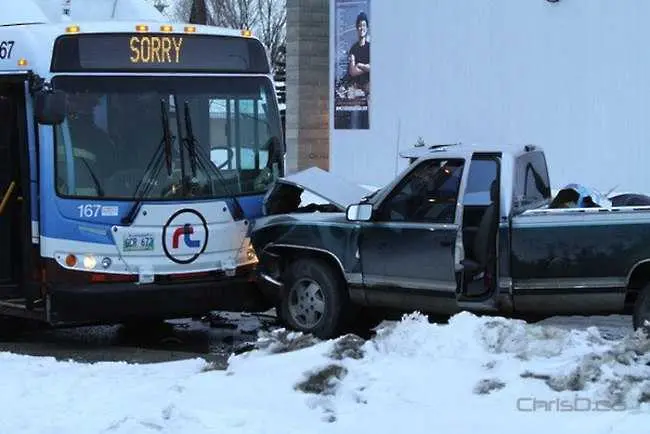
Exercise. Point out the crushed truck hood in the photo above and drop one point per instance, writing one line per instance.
(319, 182)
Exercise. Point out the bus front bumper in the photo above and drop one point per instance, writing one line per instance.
(111, 303)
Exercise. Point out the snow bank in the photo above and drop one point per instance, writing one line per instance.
(488, 375)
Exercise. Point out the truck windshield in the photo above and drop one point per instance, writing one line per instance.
(115, 129)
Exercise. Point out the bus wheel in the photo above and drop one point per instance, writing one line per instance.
(315, 300)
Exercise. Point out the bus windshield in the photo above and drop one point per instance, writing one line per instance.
(115, 128)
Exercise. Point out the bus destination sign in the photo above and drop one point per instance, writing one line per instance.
(158, 52)
(156, 49)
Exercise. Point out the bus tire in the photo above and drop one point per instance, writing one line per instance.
(315, 301)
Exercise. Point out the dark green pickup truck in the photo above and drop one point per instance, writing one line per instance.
(462, 228)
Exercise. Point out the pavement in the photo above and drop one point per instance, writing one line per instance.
(213, 338)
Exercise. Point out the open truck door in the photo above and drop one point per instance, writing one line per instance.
(481, 228)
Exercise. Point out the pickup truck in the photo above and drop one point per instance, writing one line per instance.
(462, 228)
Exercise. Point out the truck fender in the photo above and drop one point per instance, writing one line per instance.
(636, 279)
(331, 258)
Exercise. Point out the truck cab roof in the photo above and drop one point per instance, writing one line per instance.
(510, 154)
(455, 150)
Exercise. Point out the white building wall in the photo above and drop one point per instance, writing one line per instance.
(572, 77)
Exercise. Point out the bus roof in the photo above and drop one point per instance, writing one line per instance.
(51, 11)
(28, 34)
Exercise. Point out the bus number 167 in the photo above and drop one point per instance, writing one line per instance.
(89, 210)
(6, 47)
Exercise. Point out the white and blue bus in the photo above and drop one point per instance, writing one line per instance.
(134, 156)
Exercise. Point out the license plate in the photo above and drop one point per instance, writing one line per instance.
(138, 242)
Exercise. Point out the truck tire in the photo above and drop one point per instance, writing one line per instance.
(642, 310)
(315, 300)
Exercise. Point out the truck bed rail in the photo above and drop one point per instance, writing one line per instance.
(577, 217)
(568, 211)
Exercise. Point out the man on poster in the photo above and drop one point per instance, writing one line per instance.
(359, 57)
(352, 76)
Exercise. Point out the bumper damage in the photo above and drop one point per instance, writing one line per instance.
(117, 302)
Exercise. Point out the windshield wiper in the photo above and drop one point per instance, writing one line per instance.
(164, 148)
(191, 141)
(167, 136)
(100, 190)
(200, 159)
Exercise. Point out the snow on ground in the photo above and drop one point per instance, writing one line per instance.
(488, 375)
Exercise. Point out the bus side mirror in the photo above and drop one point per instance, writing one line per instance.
(50, 107)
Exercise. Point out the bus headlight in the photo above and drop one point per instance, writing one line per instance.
(90, 262)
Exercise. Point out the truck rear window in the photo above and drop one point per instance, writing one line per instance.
(531, 183)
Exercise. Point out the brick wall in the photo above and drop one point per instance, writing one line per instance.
(307, 122)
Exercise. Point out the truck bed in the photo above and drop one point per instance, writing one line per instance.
(579, 247)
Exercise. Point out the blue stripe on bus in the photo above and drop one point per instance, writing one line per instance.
(252, 206)
(64, 218)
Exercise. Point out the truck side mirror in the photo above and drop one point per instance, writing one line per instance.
(50, 107)
(359, 212)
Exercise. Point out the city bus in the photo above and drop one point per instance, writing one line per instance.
(134, 156)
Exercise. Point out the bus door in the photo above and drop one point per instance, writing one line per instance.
(15, 221)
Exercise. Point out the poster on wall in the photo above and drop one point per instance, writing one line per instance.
(351, 64)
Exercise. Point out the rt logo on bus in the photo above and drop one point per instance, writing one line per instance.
(185, 236)
(185, 232)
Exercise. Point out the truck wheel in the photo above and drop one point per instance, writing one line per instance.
(315, 300)
(642, 310)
